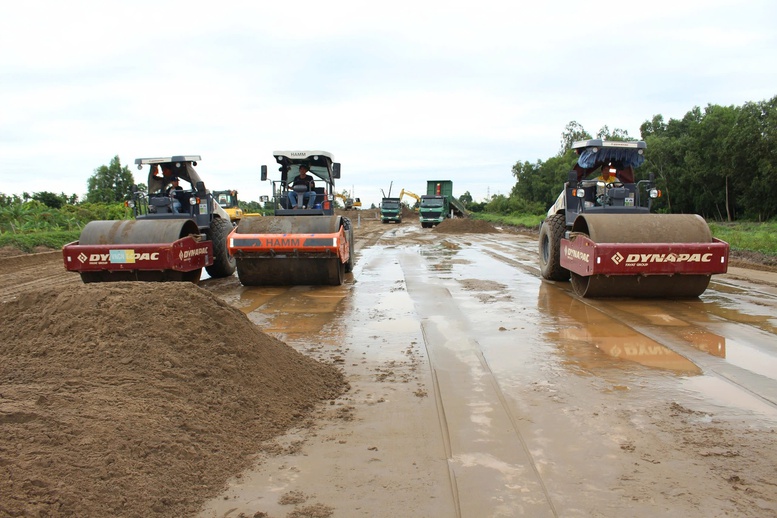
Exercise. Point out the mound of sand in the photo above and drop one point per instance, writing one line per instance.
(465, 226)
(139, 399)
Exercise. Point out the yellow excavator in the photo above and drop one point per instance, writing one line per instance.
(404, 193)
(349, 203)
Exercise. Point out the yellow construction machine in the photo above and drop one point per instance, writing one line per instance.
(228, 202)
(348, 202)
(416, 197)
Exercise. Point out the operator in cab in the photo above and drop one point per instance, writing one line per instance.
(306, 180)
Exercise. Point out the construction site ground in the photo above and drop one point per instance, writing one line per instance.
(444, 378)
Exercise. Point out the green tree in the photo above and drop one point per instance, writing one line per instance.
(109, 183)
(572, 133)
(49, 199)
(466, 198)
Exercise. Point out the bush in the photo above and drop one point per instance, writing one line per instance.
(34, 216)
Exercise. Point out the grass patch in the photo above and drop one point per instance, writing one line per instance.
(529, 221)
(748, 236)
(30, 241)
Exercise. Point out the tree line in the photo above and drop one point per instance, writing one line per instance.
(719, 162)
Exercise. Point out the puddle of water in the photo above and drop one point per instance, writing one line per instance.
(744, 341)
(252, 298)
(657, 314)
(292, 311)
(581, 325)
(705, 341)
(717, 391)
(754, 315)
(754, 360)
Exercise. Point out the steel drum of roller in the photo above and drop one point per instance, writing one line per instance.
(265, 265)
(129, 232)
(642, 228)
(126, 232)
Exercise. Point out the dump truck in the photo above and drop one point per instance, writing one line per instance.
(296, 246)
(390, 210)
(601, 235)
(175, 233)
(439, 203)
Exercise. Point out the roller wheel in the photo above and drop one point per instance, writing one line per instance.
(87, 277)
(349, 236)
(337, 272)
(637, 286)
(223, 264)
(551, 232)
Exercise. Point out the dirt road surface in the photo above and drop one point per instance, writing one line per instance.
(477, 389)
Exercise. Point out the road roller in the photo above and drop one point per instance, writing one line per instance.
(601, 235)
(175, 233)
(304, 242)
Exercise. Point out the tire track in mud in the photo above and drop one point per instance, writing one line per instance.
(485, 464)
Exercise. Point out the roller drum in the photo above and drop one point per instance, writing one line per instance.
(290, 271)
(127, 232)
(287, 270)
(289, 225)
(642, 228)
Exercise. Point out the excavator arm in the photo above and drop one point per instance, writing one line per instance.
(404, 193)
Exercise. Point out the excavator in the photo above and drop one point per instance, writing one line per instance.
(348, 202)
(416, 197)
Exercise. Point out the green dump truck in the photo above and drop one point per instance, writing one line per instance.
(439, 203)
(390, 210)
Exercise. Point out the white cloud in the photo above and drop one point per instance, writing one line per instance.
(397, 92)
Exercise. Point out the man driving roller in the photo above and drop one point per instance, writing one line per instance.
(304, 180)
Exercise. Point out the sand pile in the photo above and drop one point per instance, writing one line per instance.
(139, 399)
(408, 213)
(465, 226)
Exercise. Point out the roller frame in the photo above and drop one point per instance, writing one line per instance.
(244, 246)
(183, 255)
(581, 255)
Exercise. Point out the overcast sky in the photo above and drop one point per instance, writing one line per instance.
(400, 91)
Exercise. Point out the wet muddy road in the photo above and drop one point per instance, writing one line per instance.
(479, 390)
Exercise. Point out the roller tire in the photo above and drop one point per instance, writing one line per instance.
(339, 273)
(551, 232)
(223, 263)
(349, 236)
